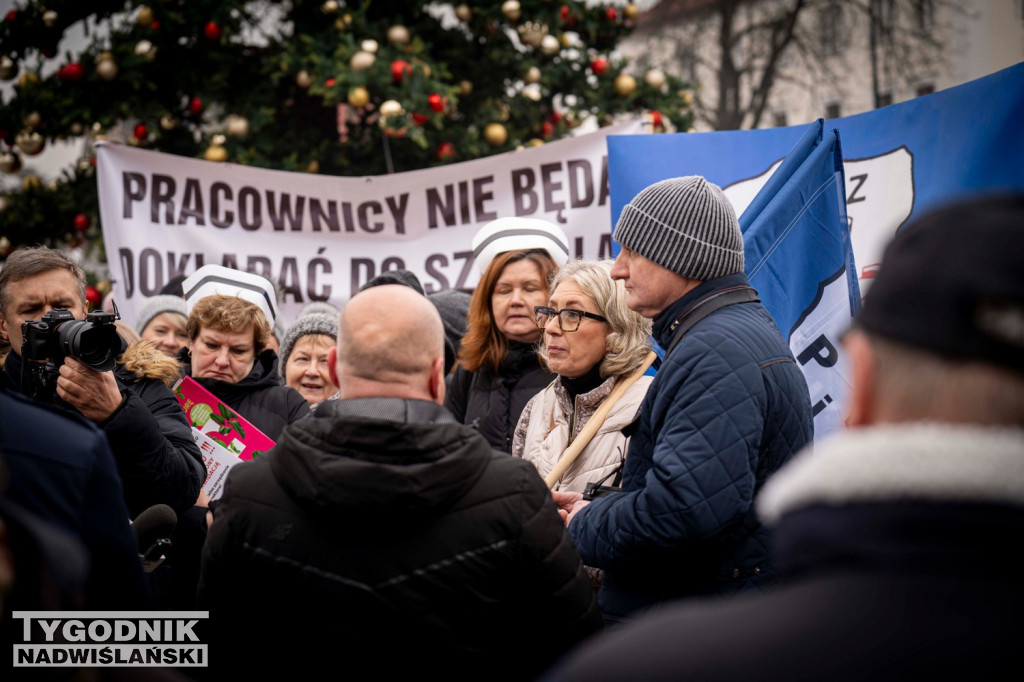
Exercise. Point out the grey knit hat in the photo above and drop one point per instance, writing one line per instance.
(313, 323)
(685, 225)
(154, 305)
(319, 307)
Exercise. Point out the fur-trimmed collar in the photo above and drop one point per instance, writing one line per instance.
(921, 461)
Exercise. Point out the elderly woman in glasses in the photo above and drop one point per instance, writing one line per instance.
(591, 341)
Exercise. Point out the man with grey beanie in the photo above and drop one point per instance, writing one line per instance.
(728, 407)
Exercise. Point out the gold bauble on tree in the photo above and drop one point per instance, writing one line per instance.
(303, 79)
(33, 120)
(550, 45)
(631, 11)
(464, 13)
(511, 10)
(329, 7)
(216, 152)
(8, 68)
(236, 125)
(369, 45)
(465, 87)
(532, 75)
(624, 84)
(391, 108)
(30, 142)
(398, 35)
(10, 162)
(655, 78)
(28, 79)
(496, 134)
(145, 17)
(31, 182)
(359, 97)
(49, 18)
(106, 69)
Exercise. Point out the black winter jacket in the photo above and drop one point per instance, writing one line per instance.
(381, 533)
(259, 397)
(492, 403)
(152, 443)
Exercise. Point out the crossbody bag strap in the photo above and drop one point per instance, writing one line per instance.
(704, 307)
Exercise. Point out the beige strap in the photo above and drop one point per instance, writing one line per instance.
(574, 450)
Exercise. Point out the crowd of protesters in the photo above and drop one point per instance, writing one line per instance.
(581, 470)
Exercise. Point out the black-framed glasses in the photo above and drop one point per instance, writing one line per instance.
(568, 318)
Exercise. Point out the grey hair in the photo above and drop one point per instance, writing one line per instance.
(629, 339)
(35, 260)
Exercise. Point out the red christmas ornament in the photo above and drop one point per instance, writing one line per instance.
(420, 119)
(656, 118)
(599, 66)
(93, 296)
(611, 14)
(399, 69)
(196, 106)
(546, 129)
(155, 25)
(11, 16)
(81, 222)
(329, 82)
(446, 152)
(555, 117)
(141, 132)
(436, 102)
(71, 72)
(564, 12)
(212, 32)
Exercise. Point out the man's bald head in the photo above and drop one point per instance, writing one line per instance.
(389, 342)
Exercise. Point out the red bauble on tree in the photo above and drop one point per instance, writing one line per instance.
(419, 119)
(71, 72)
(546, 129)
(12, 15)
(141, 132)
(399, 69)
(446, 152)
(196, 106)
(656, 118)
(81, 222)
(212, 31)
(93, 296)
(599, 66)
(436, 102)
(611, 14)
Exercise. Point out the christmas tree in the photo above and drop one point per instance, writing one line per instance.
(325, 86)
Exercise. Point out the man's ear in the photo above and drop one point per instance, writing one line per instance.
(3, 330)
(861, 409)
(437, 385)
(332, 365)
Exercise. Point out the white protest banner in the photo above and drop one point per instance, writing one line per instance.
(320, 237)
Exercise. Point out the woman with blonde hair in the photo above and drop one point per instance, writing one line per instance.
(498, 370)
(593, 342)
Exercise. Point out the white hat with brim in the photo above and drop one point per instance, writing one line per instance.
(519, 234)
(213, 280)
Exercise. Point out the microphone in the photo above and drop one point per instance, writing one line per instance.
(153, 530)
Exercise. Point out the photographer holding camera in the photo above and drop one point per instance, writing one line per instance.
(77, 365)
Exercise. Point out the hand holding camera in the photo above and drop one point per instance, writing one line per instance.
(94, 394)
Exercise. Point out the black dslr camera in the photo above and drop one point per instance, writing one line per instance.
(93, 341)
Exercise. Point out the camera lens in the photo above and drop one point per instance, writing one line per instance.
(96, 346)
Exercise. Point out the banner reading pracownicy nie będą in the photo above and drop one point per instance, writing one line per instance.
(321, 237)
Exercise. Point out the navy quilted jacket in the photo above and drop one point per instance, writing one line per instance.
(727, 408)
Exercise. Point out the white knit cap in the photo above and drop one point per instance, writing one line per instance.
(519, 234)
(211, 280)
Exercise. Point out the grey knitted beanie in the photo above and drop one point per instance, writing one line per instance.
(319, 307)
(685, 225)
(313, 323)
(154, 305)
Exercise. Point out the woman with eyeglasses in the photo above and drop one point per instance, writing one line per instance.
(498, 370)
(592, 341)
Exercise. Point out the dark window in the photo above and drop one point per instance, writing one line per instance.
(833, 110)
(925, 89)
(884, 99)
(924, 15)
(885, 14)
(780, 119)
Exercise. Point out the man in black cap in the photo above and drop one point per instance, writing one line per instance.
(728, 407)
(896, 541)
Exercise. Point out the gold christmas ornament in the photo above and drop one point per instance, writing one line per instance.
(313, 166)
(464, 13)
(146, 49)
(624, 85)
(511, 10)
(104, 287)
(32, 120)
(361, 61)
(532, 75)
(10, 162)
(422, 66)
(465, 87)
(28, 79)
(219, 140)
(5, 243)
(655, 78)
(630, 11)
(398, 35)
(495, 133)
(550, 45)
(30, 142)
(532, 32)
(370, 46)
(358, 97)
(303, 79)
(144, 17)
(391, 108)
(168, 122)
(532, 92)
(31, 182)
(106, 69)
(77, 128)
(236, 126)
(687, 97)
(216, 153)
(8, 68)
(49, 18)
(534, 142)
(329, 7)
